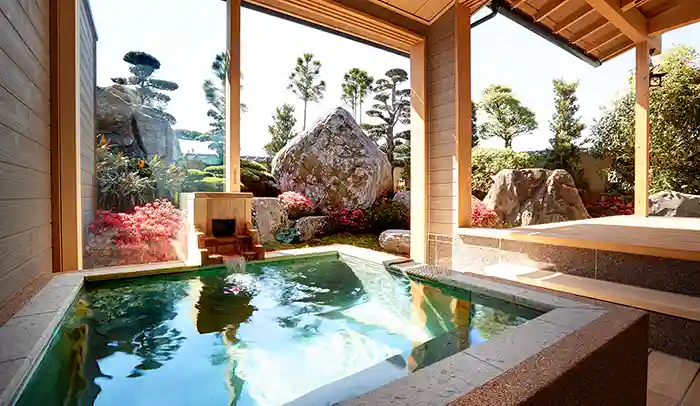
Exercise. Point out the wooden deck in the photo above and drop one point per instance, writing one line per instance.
(658, 236)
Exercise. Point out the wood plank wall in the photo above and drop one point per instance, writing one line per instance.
(87, 116)
(25, 158)
(442, 173)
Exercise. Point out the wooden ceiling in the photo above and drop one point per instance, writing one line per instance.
(593, 30)
(599, 29)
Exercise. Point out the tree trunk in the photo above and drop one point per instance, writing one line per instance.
(390, 151)
(359, 120)
(509, 143)
(304, 127)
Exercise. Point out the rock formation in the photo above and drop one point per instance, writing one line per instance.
(334, 163)
(523, 197)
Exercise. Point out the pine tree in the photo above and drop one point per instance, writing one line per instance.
(282, 130)
(143, 65)
(507, 117)
(393, 107)
(304, 83)
(356, 87)
(566, 128)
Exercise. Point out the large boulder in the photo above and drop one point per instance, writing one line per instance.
(138, 130)
(311, 226)
(674, 204)
(396, 241)
(334, 163)
(523, 197)
(269, 217)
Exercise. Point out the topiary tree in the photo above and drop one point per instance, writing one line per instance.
(566, 127)
(393, 107)
(148, 89)
(507, 118)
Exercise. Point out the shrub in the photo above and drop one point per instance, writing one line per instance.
(386, 214)
(482, 216)
(218, 170)
(486, 162)
(611, 205)
(146, 235)
(296, 204)
(201, 181)
(351, 220)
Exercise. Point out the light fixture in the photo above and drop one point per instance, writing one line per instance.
(655, 77)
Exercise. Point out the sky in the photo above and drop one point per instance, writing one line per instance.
(185, 35)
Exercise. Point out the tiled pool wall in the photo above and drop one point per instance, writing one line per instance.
(668, 333)
(577, 353)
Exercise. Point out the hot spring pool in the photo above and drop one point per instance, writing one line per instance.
(312, 331)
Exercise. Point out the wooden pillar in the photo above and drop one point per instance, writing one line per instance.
(642, 132)
(463, 114)
(66, 211)
(232, 158)
(419, 153)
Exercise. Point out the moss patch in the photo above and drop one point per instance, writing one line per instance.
(370, 241)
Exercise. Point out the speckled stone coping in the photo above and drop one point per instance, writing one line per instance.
(24, 338)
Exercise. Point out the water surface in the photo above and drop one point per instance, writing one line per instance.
(311, 332)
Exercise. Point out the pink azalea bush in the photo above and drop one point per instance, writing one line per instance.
(147, 235)
(296, 204)
(611, 205)
(482, 216)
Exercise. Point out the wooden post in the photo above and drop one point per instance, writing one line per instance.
(66, 210)
(642, 132)
(232, 147)
(419, 153)
(463, 113)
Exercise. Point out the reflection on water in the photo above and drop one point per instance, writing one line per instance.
(310, 332)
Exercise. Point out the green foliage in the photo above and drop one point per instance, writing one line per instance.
(369, 241)
(566, 128)
(507, 118)
(486, 162)
(217, 170)
(357, 84)
(675, 128)
(188, 134)
(282, 130)
(393, 106)
(304, 81)
(387, 214)
(125, 182)
(215, 94)
(288, 236)
(147, 88)
(475, 125)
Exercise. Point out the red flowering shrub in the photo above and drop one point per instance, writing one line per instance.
(146, 235)
(482, 216)
(354, 220)
(296, 204)
(611, 205)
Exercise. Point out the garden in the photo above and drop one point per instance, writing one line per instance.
(336, 181)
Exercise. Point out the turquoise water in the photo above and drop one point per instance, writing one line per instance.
(308, 332)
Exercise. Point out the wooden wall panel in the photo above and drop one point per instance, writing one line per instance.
(88, 38)
(442, 174)
(25, 183)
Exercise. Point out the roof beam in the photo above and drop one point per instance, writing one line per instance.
(627, 5)
(605, 41)
(685, 13)
(590, 30)
(632, 23)
(549, 8)
(577, 16)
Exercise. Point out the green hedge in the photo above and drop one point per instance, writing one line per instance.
(487, 162)
(218, 170)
